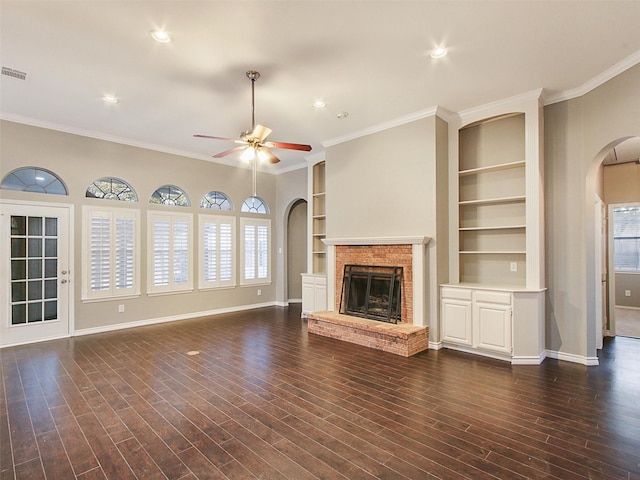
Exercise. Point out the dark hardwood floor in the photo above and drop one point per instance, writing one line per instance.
(264, 399)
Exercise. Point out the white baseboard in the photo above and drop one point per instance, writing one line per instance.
(624, 307)
(295, 300)
(474, 351)
(570, 357)
(435, 345)
(528, 359)
(172, 318)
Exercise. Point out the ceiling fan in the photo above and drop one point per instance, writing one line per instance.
(252, 142)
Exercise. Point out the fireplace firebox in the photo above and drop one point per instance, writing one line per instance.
(372, 292)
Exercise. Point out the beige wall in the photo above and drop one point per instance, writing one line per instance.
(578, 133)
(394, 183)
(78, 161)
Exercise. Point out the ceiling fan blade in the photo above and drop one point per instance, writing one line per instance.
(228, 152)
(270, 157)
(288, 146)
(260, 132)
(235, 140)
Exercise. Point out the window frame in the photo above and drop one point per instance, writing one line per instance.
(171, 286)
(113, 213)
(615, 237)
(204, 219)
(255, 222)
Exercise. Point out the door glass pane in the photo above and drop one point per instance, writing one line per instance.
(18, 291)
(18, 269)
(18, 247)
(51, 227)
(51, 310)
(35, 290)
(35, 268)
(35, 226)
(35, 312)
(35, 247)
(18, 225)
(19, 314)
(50, 289)
(50, 247)
(50, 268)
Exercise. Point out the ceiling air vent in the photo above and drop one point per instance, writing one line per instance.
(10, 72)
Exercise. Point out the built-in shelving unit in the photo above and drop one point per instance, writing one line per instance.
(492, 201)
(494, 304)
(319, 217)
(314, 282)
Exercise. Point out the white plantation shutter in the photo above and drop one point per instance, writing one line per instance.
(256, 259)
(100, 238)
(249, 252)
(111, 257)
(170, 257)
(226, 252)
(161, 252)
(125, 253)
(626, 239)
(217, 256)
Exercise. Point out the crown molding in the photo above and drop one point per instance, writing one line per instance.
(412, 117)
(620, 67)
(126, 141)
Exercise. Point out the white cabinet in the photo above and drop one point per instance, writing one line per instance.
(314, 293)
(477, 319)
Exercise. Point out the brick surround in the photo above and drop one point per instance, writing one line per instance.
(379, 255)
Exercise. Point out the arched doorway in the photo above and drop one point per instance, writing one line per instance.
(296, 250)
(617, 241)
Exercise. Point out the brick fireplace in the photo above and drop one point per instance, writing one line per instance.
(410, 334)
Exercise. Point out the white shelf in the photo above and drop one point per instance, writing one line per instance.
(320, 194)
(492, 168)
(498, 227)
(319, 235)
(492, 252)
(319, 216)
(489, 201)
(319, 253)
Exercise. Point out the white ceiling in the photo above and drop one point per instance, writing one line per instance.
(368, 58)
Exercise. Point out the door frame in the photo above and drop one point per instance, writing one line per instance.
(8, 203)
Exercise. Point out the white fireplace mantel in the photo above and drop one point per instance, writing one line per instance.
(418, 262)
(377, 241)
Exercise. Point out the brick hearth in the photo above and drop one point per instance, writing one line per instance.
(401, 339)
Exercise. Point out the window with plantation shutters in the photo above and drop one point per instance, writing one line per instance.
(170, 252)
(626, 239)
(111, 253)
(216, 256)
(256, 244)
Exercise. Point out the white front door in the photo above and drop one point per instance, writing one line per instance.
(35, 281)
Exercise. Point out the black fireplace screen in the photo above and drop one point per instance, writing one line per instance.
(372, 292)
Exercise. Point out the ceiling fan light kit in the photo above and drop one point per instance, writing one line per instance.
(252, 142)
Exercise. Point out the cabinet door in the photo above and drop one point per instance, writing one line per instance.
(308, 300)
(492, 327)
(320, 296)
(456, 321)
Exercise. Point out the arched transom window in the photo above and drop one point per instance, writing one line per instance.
(111, 188)
(255, 205)
(170, 195)
(216, 201)
(33, 179)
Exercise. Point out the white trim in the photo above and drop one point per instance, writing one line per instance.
(377, 241)
(625, 307)
(59, 337)
(172, 318)
(529, 359)
(435, 345)
(293, 300)
(570, 357)
(412, 117)
(620, 67)
(282, 304)
(475, 351)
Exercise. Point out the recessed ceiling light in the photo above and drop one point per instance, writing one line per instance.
(438, 52)
(160, 36)
(342, 115)
(110, 99)
(319, 104)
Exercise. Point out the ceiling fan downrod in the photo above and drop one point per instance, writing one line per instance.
(253, 76)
